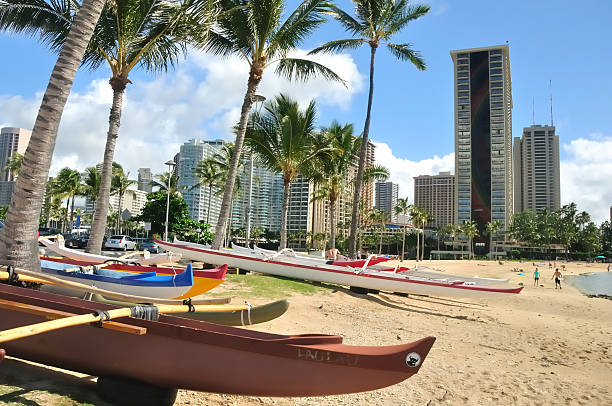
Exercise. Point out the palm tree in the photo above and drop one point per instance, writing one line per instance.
(252, 30)
(334, 171)
(402, 207)
(67, 184)
(283, 139)
(491, 228)
(160, 181)
(18, 245)
(453, 230)
(379, 217)
(209, 174)
(13, 165)
(91, 184)
(440, 230)
(376, 22)
(470, 229)
(120, 185)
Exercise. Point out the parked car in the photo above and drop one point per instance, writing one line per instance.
(44, 231)
(149, 245)
(71, 240)
(120, 242)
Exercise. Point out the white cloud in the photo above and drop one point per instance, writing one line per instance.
(586, 175)
(202, 99)
(404, 170)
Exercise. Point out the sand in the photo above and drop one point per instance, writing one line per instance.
(541, 347)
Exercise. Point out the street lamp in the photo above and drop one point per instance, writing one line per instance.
(257, 101)
(171, 165)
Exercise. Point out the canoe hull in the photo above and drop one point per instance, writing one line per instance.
(375, 280)
(187, 354)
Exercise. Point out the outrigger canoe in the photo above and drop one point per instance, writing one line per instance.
(364, 278)
(147, 284)
(59, 248)
(188, 354)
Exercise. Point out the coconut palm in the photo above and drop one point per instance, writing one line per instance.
(160, 181)
(91, 184)
(333, 173)
(402, 207)
(67, 185)
(253, 31)
(13, 165)
(379, 217)
(283, 138)
(18, 245)
(209, 174)
(453, 230)
(420, 217)
(470, 229)
(376, 22)
(491, 228)
(120, 185)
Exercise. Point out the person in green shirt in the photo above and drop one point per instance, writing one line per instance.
(536, 277)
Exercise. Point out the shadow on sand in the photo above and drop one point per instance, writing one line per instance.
(25, 383)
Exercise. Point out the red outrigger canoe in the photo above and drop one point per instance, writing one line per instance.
(188, 354)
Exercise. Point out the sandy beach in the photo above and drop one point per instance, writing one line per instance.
(541, 347)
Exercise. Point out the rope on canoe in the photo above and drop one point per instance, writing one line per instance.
(248, 315)
(103, 315)
(147, 312)
(187, 302)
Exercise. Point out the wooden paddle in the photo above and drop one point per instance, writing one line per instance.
(38, 328)
(44, 278)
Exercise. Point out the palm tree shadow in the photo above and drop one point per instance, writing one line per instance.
(23, 377)
(440, 301)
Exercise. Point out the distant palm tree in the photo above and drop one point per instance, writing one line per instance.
(67, 184)
(470, 230)
(376, 22)
(17, 238)
(160, 181)
(420, 217)
(209, 174)
(120, 185)
(402, 207)
(453, 230)
(283, 138)
(253, 31)
(91, 184)
(13, 165)
(491, 228)
(379, 217)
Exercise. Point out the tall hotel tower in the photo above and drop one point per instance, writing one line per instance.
(483, 136)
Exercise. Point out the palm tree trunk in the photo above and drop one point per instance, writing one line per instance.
(72, 213)
(403, 243)
(423, 243)
(254, 79)
(120, 208)
(66, 218)
(362, 157)
(332, 225)
(98, 226)
(208, 210)
(418, 245)
(285, 210)
(18, 245)
(380, 242)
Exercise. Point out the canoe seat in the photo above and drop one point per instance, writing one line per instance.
(124, 275)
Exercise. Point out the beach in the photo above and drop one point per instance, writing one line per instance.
(542, 346)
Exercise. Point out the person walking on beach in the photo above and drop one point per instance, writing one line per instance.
(557, 278)
(536, 277)
(608, 267)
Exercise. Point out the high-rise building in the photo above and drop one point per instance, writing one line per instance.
(536, 169)
(266, 197)
(199, 199)
(483, 137)
(436, 194)
(12, 140)
(144, 180)
(386, 198)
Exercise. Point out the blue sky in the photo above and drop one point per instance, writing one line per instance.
(559, 41)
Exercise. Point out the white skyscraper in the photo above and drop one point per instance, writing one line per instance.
(12, 140)
(536, 169)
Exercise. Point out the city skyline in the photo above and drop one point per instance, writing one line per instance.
(201, 98)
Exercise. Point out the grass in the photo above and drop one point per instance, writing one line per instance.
(266, 286)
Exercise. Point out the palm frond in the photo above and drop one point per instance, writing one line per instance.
(403, 14)
(338, 46)
(302, 69)
(403, 52)
(50, 21)
(264, 17)
(301, 23)
(347, 21)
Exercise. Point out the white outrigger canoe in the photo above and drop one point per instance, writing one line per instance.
(418, 272)
(59, 248)
(366, 278)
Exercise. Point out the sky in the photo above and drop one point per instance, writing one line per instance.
(558, 47)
